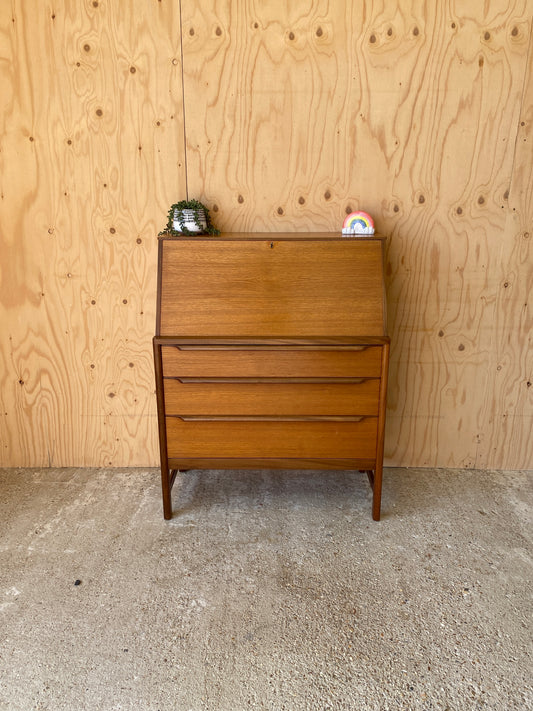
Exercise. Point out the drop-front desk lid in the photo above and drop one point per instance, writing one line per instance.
(271, 285)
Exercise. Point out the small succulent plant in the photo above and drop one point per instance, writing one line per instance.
(189, 212)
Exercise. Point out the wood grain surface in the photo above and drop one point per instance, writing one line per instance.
(299, 113)
(91, 156)
(194, 439)
(272, 398)
(283, 116)
(272, 288)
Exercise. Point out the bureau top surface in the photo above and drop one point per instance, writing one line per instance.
(277, 285)
(224, 236)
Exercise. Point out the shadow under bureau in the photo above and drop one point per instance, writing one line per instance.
(271, 351)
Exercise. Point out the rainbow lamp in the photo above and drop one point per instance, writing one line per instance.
(358, 223)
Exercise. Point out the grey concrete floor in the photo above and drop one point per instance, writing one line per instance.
(267, 590)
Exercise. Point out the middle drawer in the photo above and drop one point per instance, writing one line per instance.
(358, 397)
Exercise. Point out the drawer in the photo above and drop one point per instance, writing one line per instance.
(275, 398)
(224, 362)
(274, 439)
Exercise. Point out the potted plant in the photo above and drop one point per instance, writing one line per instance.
(189, 217)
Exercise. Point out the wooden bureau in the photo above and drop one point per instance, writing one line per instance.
(271, 351)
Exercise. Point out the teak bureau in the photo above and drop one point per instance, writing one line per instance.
(271, 351)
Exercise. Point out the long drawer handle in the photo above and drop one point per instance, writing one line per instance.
(266, 418)
(273, 348)
(295, 380)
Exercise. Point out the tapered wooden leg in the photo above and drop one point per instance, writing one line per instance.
(166, 486)
(375, 477)
(376, 499)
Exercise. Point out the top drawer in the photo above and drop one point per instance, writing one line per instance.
(276, 362)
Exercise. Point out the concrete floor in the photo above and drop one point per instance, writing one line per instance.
(267, 590)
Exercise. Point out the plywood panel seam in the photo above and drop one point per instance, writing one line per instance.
(183, 107)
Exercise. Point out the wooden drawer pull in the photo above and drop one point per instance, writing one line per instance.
(265, 418)
(355, 381)
(261, 347)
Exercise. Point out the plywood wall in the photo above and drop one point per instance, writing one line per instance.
(282, 116)
(419, 113)
(91, 155)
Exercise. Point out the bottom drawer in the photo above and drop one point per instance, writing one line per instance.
(272, 438)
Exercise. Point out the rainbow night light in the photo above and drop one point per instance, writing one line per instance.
(358, 223)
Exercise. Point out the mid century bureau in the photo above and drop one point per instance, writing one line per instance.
(271, 351)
